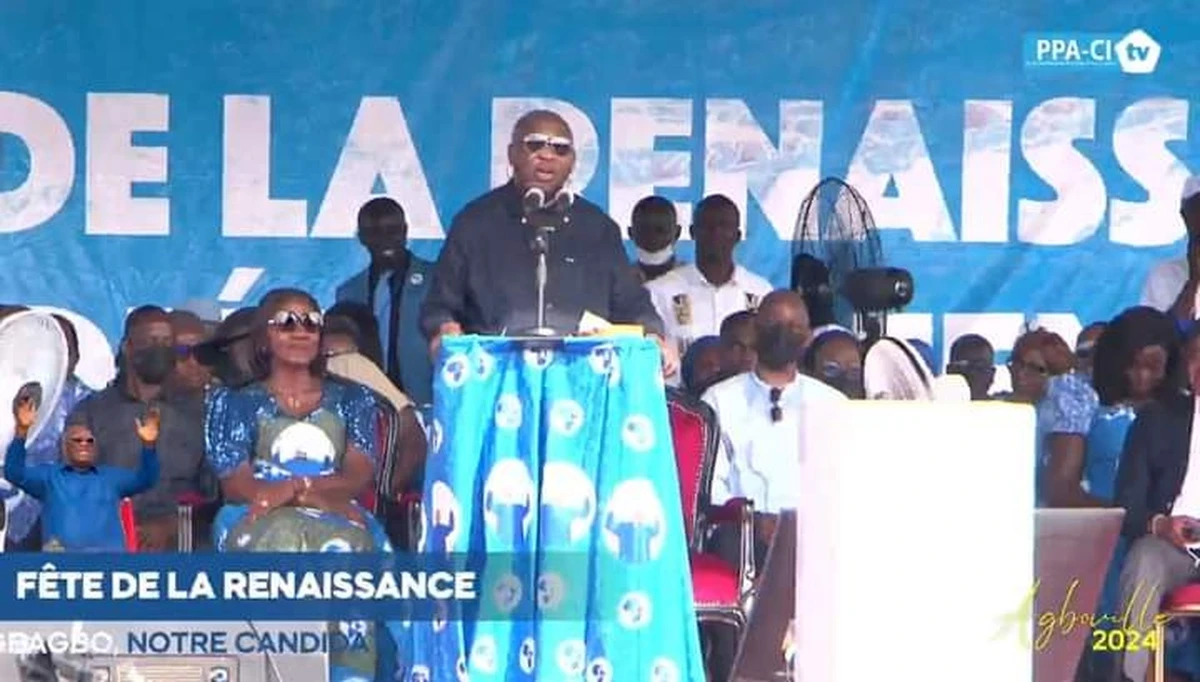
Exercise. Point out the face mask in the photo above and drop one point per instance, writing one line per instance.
(849, 383)
(154, 364)
(778, 346)
(656, 257)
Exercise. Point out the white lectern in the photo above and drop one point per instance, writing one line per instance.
(916, 541)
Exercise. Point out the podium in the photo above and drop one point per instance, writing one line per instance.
(551, 471)
(915, 543)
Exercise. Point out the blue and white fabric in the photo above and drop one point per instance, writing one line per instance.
(247, 426)
(554, 470)
(1067, 408)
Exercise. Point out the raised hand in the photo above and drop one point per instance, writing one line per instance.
(25, 411)
(148, 428)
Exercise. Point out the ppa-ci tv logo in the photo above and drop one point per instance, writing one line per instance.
(1135, 52)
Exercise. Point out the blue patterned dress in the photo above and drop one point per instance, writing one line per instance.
(1068, 407)
(247, 425)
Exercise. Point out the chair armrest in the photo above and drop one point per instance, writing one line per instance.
(410, 508)
(191, 500)
(128, 524)
(737, 511)
(732, 511)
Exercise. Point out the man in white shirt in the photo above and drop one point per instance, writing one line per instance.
(654, 230)
(692, 300)
(759, 413)
(1171, 285)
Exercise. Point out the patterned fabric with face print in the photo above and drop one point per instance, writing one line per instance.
(248, 426)
(557, 466)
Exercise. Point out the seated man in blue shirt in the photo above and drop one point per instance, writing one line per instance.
(81, 501)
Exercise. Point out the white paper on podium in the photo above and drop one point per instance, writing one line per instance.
(916, 540)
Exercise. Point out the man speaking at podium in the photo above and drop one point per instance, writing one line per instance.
(485, 279)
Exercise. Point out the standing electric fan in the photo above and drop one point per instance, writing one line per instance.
(33, 362)
(838, 264)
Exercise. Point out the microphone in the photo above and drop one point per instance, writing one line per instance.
(562, 202)
(533, 201)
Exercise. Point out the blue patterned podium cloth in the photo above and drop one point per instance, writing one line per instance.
(554, 472)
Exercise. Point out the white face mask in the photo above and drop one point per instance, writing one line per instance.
(656, 257)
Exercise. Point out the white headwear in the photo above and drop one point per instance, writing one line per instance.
(826, 329)
(359, 369)
(1191, 187)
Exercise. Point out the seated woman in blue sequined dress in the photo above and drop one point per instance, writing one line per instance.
(293, 451)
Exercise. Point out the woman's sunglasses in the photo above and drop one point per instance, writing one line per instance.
(1018, 366)
(536, 142)
(833, 371)
(290, 321)
(83, 440)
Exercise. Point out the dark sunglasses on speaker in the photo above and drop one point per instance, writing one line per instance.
(290, 321)
(536, 142)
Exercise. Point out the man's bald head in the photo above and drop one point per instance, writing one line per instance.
(184, 322)
(973, 358)
(782, 306)
(782, 330)
(541, 121)
(970, 346)
(542, 152)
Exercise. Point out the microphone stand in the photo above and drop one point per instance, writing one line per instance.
(541, 247)
(545, 219)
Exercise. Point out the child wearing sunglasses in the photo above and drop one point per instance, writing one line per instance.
(81, 500)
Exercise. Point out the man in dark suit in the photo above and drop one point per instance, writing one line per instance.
(393, 285)
(1159, 486)
(484, 280)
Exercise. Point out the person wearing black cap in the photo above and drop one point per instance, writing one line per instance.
(230, 351)
(393, 286)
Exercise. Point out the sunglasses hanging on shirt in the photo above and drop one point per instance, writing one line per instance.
(776, 410)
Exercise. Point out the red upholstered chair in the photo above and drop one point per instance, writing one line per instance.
(400, 515)
(1182, 603)
(410, 502)
(721, 590)
(384, 454)
(189, 508)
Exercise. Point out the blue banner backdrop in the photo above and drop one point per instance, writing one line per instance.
(157, 152)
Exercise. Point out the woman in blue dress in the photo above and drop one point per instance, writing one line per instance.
(1042, 369)
(1136, 359)
(294, 450)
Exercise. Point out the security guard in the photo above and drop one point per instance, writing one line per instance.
(393, 286)
(694, 299)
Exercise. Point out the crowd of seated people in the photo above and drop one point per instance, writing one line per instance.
(224, 396)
